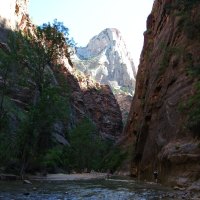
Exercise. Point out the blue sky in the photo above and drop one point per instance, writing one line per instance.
(86, 18)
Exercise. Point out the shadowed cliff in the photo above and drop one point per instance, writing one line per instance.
(164, 119)
(54, 116)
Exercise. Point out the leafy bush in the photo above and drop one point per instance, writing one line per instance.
(113, 159)
(193, 106)
(34, 136)
(86, 148)
(168, 52)
(53, 159)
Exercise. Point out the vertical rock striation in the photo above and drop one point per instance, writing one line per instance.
(164, 117)
(96, 101)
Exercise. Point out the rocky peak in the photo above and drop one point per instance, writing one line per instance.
(108, 38)
(107, 60)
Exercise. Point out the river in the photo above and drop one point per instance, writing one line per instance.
(104, 189)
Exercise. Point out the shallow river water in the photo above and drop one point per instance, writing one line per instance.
(107, 189)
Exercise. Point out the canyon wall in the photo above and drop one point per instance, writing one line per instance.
(47, 107)
(164, 118)
(88, 98)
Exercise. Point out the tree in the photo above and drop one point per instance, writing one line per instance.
(87, 149)
(33, 56)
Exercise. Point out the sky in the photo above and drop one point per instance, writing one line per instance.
(87, 18)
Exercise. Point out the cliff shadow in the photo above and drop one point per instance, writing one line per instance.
(97, 102)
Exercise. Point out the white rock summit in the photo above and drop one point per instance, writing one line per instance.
(107, 60)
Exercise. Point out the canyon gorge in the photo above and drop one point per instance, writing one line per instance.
(90, 110)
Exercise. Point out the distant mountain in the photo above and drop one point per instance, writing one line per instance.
(108, 61)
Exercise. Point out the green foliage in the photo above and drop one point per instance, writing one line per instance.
(191, 109)
(53, 159)
(55, 36)
(190, 24)
(114, 159)
(61, 32)
(34, 136)
(28, 61)
(168, 52)
(8, 134)
(193, 106)
(28, 64)
(86, 148)
(6, 71)
(125, 89)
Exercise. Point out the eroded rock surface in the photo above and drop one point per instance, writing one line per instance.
(163, 120)
(89, 98)
(107, 60)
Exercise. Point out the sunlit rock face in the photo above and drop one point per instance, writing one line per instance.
(13, 16)
(107, 60)
(12, 13)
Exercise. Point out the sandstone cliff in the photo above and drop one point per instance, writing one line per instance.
(43, 99)
(96, 101)
(88, 97)
(164, 118)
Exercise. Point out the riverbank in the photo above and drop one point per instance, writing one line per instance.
(88, 186)
(178, 193)
(63, 177)
(56, 177)
(174, 193)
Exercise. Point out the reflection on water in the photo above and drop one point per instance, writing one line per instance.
(111, 189)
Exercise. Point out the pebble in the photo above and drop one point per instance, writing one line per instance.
(26, 182)
(34, 188)
(179, 188)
